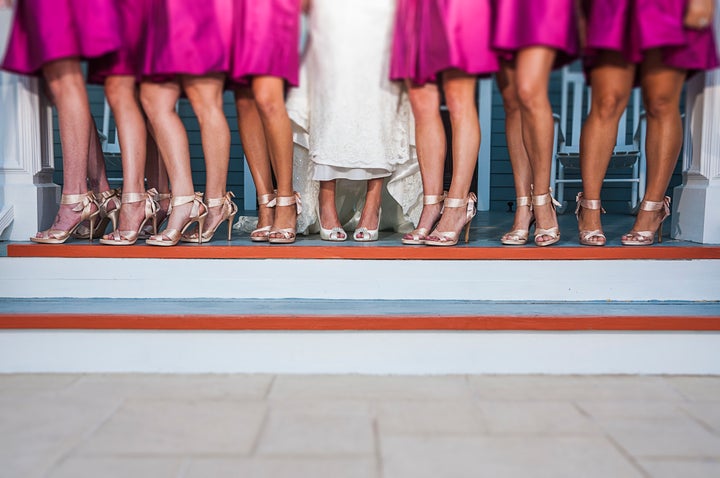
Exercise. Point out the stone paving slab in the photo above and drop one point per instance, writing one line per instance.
(189, 426)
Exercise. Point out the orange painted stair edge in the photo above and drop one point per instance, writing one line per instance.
(359, 323)
(374, 252)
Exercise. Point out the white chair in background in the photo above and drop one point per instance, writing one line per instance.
(629, 151)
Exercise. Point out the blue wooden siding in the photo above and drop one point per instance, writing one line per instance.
(615, 196)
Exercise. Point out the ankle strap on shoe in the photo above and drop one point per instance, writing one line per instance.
(267, 200)
(129, 198)
(104, 198)
(461, 202)
(77, 198)
(543, 199)
(655, 205)
(281, 201)
(217, 202)
(160, 196)
(182, 200)
(521, 201)
(430, 200)
(592, 204)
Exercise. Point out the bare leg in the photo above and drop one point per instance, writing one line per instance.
(97, 175)
(156, 175)
(269, 97)
(121, 93)
(662, 87)
(158, 100)
(206, 97)
(459, 90)
(612, 81)
(327, 209)
(66, 86)
(431, 149)
(533, 67)
(519, 160)
(255, 147)
(370, 217)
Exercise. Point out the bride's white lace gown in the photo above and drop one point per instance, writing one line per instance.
(349, 121)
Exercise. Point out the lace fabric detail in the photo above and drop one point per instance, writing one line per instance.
(348, 115)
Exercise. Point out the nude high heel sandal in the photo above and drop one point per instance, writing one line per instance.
(105, 215)
(173, 235)
(519, 237)
(84, 204)
(288, 234)
(646, 238)
(450, 238)
(419, 235)
(229, 210)
(261, 234)
(148, 230)
(589, 237)
(128, 238)
(553, 232)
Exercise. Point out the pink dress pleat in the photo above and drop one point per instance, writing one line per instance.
(266, 40)
(527, 23)
(188, 37)
(432, 36)
(48, 30)
(129, 59)
(632, 27)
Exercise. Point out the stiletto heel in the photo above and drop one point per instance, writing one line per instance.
(553, 232)
(173, 235)
(519, 237)
(84, 205)
(288, 234)
(158, 224)
(646, 238)
(368, 235)
(419, 235)
(128, 238)
(104, 216)
(589, 237)
(261, 233)
(229, 210)
(450, 238)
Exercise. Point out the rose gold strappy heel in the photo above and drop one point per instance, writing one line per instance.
(287, 235)
(553, 232)
(104, 199)
(646, 238)
(450, 238)
(261, 233)
(519, 237)
(84, 204)
(128, 238)
(419, 235)
(589, 237)
(148, 230)
(173, 235)
(229, 210)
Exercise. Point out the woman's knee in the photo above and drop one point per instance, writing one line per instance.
(661, 105)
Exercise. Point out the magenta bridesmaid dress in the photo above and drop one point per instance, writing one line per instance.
(189, 37)
(128, 60)
(266, 40)
(525, 23)
(632, 27)
(431, 36)
(48, 30)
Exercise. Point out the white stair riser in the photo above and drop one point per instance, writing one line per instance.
(360, 352)
(590, 280)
